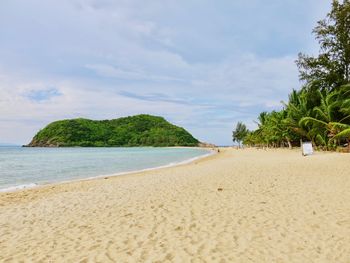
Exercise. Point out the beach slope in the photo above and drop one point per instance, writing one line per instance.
(237, 206)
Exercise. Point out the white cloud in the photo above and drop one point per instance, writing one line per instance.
(110, 71)
(217, 99)
(21, 116)
(204, 65)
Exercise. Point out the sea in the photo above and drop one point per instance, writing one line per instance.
(24, 167)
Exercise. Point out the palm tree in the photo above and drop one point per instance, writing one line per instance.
(343, 125)
(298, 108)
(239, 133)
(275, 129)
(322, 125)
(344, 133)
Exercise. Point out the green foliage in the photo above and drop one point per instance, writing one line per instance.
(139, 130)
(320, 111)
(331, 68)
(327, 124)
(239, 133)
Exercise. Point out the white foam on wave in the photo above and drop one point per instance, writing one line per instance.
(18, 187)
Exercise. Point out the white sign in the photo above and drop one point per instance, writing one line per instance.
(307, 148)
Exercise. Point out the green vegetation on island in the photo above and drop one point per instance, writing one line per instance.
(320, 111)
(139, 130)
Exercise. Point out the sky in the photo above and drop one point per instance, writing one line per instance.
(203, 65)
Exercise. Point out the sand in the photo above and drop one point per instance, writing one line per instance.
(238, 206)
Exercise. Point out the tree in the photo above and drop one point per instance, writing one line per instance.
(325, 117)
(139, 130)
(280, 129)
(297, 108)
(320, 111)
(331, 68)
(239, 133)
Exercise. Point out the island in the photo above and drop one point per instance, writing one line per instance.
(132, 131)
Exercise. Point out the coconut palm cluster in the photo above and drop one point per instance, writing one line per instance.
(320, 110)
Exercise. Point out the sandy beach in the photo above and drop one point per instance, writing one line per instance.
(237, 206)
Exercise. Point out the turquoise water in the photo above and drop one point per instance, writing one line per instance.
(27, 167)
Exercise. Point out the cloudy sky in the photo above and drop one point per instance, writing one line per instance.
(202, 64)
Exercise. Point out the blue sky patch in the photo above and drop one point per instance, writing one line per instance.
(42, 94)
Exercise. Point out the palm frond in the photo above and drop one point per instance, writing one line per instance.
(343, 134)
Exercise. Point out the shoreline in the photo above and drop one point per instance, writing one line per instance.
(237, 206)
(29, 186)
